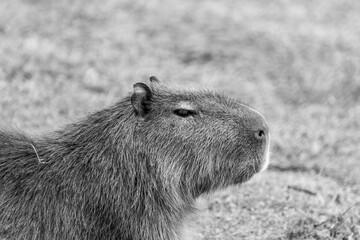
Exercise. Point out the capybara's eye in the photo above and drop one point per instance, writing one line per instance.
(184, 112)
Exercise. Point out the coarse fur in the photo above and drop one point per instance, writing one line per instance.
(131, 171)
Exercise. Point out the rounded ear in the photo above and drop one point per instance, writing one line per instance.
(154, 79)
(141, 98)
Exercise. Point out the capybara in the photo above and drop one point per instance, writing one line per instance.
(131, 171)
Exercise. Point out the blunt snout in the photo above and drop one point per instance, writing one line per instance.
(256, 124)
(262, 132)
(262, 136)
(260, 128)
(259, 134)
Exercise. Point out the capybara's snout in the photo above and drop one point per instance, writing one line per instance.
(258, 135)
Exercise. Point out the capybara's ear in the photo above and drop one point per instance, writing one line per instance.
(140, 99)
(154, 79)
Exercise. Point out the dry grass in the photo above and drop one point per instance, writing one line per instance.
(296, 61)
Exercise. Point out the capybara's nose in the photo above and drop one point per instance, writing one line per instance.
(262, 132)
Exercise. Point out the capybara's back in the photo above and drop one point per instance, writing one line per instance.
(131, 171)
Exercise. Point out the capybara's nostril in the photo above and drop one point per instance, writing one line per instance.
(260, 134)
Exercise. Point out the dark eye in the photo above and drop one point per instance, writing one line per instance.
(184, 112)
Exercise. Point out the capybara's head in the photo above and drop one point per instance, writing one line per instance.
(199, 141)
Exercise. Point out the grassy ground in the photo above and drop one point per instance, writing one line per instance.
(296, 61)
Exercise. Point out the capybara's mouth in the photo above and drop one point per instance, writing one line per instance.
(244, 178)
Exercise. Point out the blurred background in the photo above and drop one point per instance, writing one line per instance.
(296, 61)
